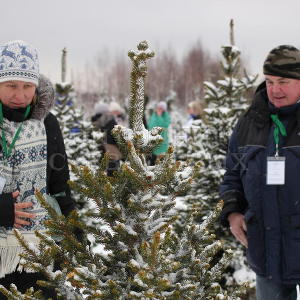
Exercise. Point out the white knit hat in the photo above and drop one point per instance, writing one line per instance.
(162, 105)
(115, 106)
(101, 108)
(19, 61)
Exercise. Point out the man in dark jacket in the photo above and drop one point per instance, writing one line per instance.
(104, 121)
(261, 184)
(32, 157)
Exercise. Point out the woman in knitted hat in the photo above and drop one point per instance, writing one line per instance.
(160, 118)
(32, 157)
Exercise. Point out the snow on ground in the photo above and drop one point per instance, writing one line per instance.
(243, 275)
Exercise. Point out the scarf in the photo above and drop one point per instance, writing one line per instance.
(24, 170)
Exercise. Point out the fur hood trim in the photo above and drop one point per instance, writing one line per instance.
(45, 98)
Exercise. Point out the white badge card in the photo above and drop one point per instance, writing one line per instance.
(2, 184)
(276, 170)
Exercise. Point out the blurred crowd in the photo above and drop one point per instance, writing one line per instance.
(107, 115)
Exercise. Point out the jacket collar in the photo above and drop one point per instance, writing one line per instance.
(15, 115)
(45, 99)
(259, 110)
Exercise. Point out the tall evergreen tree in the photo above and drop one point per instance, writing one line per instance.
(142, 256)
(207, 139)
(81, 141)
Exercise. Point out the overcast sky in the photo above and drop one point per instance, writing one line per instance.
(87, 26)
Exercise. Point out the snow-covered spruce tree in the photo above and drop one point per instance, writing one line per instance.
(142, 257)
(208, 138)
(208, 141)
(81, 141)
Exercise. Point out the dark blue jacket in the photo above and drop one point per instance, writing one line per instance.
(272, 212)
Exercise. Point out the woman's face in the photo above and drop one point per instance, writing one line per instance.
(159, 110)
(16, 94)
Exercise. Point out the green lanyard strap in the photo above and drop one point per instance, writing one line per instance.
(279, 127)
(7, 152)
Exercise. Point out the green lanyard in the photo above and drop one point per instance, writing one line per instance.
(279, 127)
(7, 152)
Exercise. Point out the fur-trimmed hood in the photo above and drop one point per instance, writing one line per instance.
(45, 98)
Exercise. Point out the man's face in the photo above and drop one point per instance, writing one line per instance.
(282, 91)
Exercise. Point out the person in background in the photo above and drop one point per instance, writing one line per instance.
(195, 111)
(160, 118)
(146, 101)
(32, 157)
(105, 121)
(118, 113)
(260, 189)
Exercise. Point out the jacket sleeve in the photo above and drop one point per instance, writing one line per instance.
(231, 189)
(57, 166)
(7, 211)
(151, 122)
(108, 128)
(166, 120)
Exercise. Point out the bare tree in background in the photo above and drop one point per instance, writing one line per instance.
(118, 78)
(92, 83)
(163, 74)
(196, 67)
(107, 79)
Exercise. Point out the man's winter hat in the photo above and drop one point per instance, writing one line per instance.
(283, 61)
(19, 61)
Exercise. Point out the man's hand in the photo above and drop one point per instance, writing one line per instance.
(20, 215)
(238, 227)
